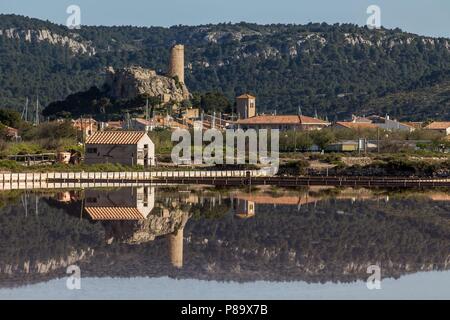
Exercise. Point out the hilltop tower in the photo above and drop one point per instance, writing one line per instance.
(246, 106)
(176, 63)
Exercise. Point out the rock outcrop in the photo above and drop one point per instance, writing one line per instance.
(128, 83)
(73, 41)
(46, 266)
(138, 232)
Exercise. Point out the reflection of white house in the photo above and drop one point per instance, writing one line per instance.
(120, 204)
(125, 147)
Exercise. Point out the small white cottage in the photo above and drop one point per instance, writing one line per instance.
(124, 147)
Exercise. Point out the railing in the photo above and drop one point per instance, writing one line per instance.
(37, 177)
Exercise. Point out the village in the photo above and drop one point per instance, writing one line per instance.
(225, 152)
(129, 141)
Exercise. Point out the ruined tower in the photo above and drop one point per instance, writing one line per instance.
(176, 63)
(176, 248)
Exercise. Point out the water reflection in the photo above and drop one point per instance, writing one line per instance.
(315, 235)
(130, 215)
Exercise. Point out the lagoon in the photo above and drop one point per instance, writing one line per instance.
(185, 242)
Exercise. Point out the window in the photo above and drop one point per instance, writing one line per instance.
(91, 150)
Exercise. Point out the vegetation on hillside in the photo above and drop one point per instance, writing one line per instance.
(334, 69)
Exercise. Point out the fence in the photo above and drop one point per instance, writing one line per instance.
(39, 177)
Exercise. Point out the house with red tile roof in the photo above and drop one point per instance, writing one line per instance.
(124, 147)
(440, 126)
(282, 122)
(354, 125)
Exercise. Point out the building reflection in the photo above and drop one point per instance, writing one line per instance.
(244, 208)
(120, 204)
(232, 235)
(131, 216)
(245, 205)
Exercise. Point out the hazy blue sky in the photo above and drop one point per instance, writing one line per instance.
(426, 17)
(425, 285)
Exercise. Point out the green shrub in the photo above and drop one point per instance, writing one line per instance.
(293, 168)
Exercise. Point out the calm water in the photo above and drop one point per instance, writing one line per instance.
(203, 243)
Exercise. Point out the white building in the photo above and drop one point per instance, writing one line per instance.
(389, 124)
(124, 147)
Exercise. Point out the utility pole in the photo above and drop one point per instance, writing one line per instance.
(128, 120)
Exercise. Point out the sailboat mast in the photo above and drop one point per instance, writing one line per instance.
(36, 121)
(24, 115)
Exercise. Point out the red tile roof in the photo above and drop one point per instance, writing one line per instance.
(438, 125)
(114, 213)
(282, 120)
(356, 125)
(115, 137)
(246, 96)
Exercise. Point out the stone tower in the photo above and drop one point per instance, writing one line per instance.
(176, 63)
(176, 248)
(246, 106)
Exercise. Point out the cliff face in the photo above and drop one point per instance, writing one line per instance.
(46, 266)
(128, 83)
(73, 41)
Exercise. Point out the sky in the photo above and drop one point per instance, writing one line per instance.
(424, 17)
(424, 285)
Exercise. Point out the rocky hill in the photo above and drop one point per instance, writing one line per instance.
(129, 83)
(336, 69)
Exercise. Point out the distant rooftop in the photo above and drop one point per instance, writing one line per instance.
(282, 120)
(246, 96)
(438, 125)
(357, 125)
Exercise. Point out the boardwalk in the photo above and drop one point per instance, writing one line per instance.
(308, 181)
(216, 178)
(221, 179)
